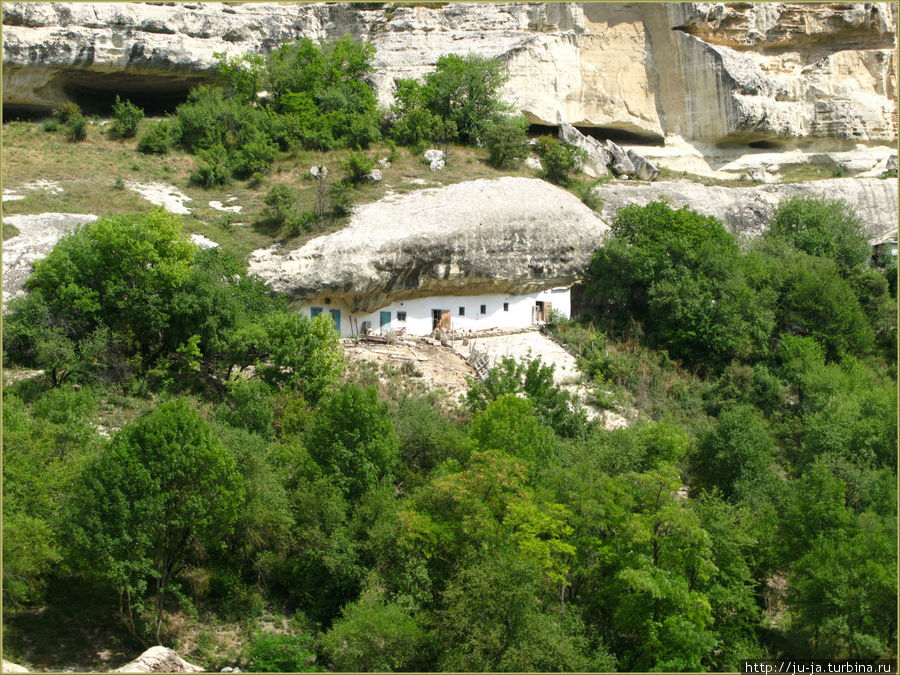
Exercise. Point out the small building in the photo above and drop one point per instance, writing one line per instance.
(884, 249)
(446, 313)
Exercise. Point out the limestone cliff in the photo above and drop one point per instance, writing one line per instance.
(509, 235)
(708, 73)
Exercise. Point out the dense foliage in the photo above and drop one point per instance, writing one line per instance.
(196, 458)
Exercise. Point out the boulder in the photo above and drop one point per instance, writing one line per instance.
(10, 667)
(433, 155)
(320, 172)
(598, 157)
(620, 163)
(643, 169)
(509, 235)
(374, 176)
(534, 163)
(437, 164)
(159, 659)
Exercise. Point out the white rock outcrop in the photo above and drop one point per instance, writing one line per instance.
(37, 236)
(482, 236)
(159, 659)
(748, 210)
(701, 71)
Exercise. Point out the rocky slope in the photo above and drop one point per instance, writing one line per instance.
(763, 74)
(747, 210)
(509, 235)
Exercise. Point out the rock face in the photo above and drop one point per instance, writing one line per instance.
(747, 210)
(713, 73)
(159, 660)
(36, 238)
(509, 235)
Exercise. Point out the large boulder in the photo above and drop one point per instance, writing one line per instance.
(159, 659)
(748, 210)
(509, 235)
(598, 157)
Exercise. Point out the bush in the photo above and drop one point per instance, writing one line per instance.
(159, 139)
(301, 222)
(558, 160)
(126, 118)
(269, 653)
(73, 122)
(822, 227)
(281, 204)
(357, 168)
(211, 167)
(254, 156)
(506, 141)
(67, 111)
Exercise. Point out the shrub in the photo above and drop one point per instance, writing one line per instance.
(357, 168)
(506, 141)
(211, 167)
(76, 127)
(254, 156)
(301, 222)
(281, 204)
(158, 139)
(558, 160)
(269, 653)
(126, 118)
(67, 111)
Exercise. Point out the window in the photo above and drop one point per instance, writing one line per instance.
(505, 306)
(401, 316)
(484, 309)
(462, 311)
(314, 312)
(327, 301)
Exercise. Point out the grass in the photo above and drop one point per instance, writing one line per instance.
(810, 172)
(92, 175)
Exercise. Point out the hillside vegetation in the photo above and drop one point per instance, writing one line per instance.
(189, 462)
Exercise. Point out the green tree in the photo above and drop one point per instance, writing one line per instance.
(680, 275)
(822, 227)
(465, 90)
(506, 141)
(163, 491)
(375, 635)
(121, 272)
(352, 439)
(735, 455)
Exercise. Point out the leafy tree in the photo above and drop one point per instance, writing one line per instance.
(497, 617)
(506, 141)
(352, 439)
(281, 204)
(161, 492)
(679, 274)
(508, 424)
(735, 455)
(241, 77)
(843, 592)
(465, 90)
(126, 118)
(120, 272)
(374, 635)
(822, 227)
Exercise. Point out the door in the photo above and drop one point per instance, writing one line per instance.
(445, 320)
(385, 322)
(336, 317)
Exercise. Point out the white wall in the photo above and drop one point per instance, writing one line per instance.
(520, 312)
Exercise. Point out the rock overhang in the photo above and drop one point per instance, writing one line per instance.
(508, 235)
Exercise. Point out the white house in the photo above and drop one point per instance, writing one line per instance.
(460, 313)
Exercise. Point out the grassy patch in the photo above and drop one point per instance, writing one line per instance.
(9, 232)
(809, 172)
(93, 175)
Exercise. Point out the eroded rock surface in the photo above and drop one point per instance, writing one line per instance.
(37, 236)
(701, 71)
(747, 210)
(159, 659)
(509, 235)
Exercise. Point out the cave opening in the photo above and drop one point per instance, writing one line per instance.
(100, 101)
(618, 136)
(764, 145)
